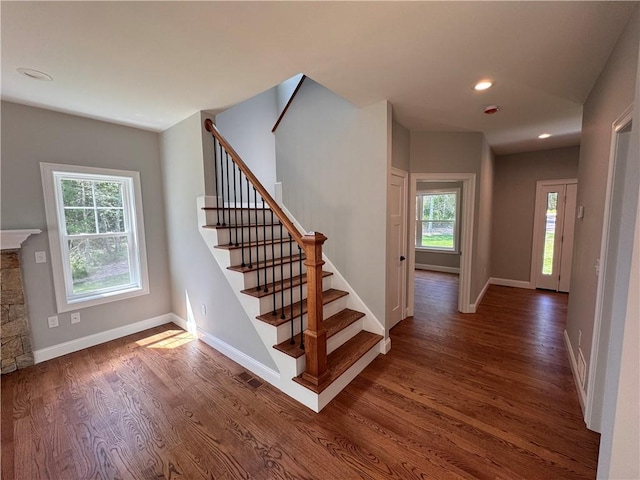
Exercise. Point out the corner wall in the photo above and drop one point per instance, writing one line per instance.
(332, 161)
(196, 278)
(33, 135)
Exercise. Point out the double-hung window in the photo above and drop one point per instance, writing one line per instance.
(437, 216)
(96, 235)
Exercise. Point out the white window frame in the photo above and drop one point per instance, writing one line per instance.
(456, 225)
(66, 300)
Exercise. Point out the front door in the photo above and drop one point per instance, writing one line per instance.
(553, 230)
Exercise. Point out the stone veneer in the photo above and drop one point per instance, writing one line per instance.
(14, 331)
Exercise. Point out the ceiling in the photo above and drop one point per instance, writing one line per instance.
(152, 64)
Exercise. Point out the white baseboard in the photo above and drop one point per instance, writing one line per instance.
(437, 268)
(385, 346)
(71, 346)
(474, 305)
(264, 372)
(506, 282)
(582, 396)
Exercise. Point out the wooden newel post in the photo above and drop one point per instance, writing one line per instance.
(315, 336)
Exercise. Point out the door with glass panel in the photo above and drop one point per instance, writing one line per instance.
(553, 234)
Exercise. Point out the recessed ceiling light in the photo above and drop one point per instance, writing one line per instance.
(34, 74)
(483, 85)
(544, 135)
(491, 109)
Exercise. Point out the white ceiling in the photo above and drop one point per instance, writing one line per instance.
(152, 64)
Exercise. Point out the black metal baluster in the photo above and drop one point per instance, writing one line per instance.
(241, 218)
(215, 174)
(249, 222)
(301, 324)
(235, 203)
(228, 197)
(264, 246)
(291, 291)
(255, 205)
(273, 267)
(281, 272)
(222, 184)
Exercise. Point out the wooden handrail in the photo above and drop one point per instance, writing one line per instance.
(286, 107)
(288, 224)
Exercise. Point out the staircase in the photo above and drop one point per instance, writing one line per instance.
(316, 329)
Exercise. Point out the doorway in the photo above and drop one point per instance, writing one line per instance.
(466, 234)
(554, 222)
(397, 241)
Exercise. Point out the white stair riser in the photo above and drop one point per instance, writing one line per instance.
(284, 331)
(266, 302)
(243, 216)
(344, 335)
(258, 253)
(272, 274)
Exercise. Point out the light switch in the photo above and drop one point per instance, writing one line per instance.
(41, 257)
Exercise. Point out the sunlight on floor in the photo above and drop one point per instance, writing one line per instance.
(168, 339)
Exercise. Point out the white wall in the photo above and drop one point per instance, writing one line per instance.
(196, 278)
(332, 161)
(620, 441)
(247, 127)
(612, 94)
(33, 135)
(400, 150)
(284, 91)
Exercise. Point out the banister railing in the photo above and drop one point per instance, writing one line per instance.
(235, 183)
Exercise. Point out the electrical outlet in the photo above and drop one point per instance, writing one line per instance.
(41, 257)
(203, 310)
(75, 317)
(53, 321)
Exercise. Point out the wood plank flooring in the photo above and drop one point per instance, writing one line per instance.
(485, 395)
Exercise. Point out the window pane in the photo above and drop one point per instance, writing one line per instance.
(80, 220)
(111, 220)
(99, 263)
(438, 234)
(550, 233)
(441, 206)
(77, 193)
(108, 194)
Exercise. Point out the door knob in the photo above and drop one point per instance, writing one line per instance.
(402, 259)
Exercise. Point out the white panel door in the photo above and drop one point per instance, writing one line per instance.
(396, 264)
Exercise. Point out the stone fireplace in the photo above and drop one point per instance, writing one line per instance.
(14, 330)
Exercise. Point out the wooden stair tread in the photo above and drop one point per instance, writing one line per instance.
(333, 325)
(242, 225)
(266, 263)
(278, 286)
(344, 357)
(328, 296)
(254, 244)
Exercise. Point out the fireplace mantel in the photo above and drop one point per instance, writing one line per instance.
(11, 239)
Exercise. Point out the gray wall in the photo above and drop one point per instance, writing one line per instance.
(247, 127)
(196, 278)
(461, 152)
(33, 135)
(514, 201)
(400, 144)
(612, 94)
(332, 162)
(451, 260)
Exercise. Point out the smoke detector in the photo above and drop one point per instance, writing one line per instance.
(491, 109)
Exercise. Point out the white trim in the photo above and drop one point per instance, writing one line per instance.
(405, 241)
(582, 396)
(61, 276)
(538, 223)
(466, 241)
(385, 347)
(12, 239)
(437, 268)
(475, 304)
(241, 358)
(507, 282)
(71, 346)
(619, 124)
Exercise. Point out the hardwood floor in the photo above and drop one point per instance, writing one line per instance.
(485, 395)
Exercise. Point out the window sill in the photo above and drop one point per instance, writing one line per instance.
(437, 250)
(70, 305)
